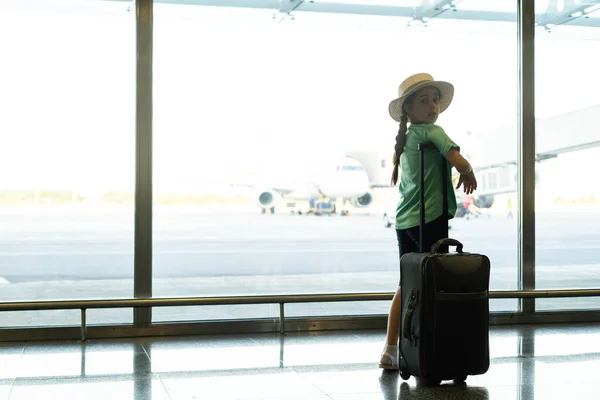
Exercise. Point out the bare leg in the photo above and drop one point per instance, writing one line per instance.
(389, 356)
(393, 326)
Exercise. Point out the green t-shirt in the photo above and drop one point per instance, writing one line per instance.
(407, 212)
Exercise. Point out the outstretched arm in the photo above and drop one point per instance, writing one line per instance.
(467, 177)
(447, 146)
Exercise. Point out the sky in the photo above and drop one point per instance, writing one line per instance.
(240, 95)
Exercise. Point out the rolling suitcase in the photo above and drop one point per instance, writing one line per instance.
(444, 321)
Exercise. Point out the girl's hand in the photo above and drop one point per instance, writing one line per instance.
(469, 183)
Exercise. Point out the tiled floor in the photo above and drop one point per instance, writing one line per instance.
(527, 363)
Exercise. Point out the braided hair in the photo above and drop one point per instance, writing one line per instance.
(399, 147)
(401, 139)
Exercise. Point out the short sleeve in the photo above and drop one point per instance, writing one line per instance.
(436, 135)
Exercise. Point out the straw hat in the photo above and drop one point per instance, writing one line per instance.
(416, 82)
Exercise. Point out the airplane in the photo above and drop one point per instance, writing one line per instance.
(332, 187)
(490, 155)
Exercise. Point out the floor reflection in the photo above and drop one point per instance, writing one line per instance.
(526, 363)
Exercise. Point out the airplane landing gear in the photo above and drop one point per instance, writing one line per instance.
(340, 204)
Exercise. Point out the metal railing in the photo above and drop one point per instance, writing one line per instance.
(83, 305)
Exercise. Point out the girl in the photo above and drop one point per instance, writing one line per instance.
(421, 100)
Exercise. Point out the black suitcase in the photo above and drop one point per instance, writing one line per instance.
(444, 321)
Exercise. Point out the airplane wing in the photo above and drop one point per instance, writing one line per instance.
(379, 186)
(253, 186)
(568, 149)
(547, 155)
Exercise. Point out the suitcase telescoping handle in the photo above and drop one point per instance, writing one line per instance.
(422, 148)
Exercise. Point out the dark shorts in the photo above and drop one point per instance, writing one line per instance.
(408, 239)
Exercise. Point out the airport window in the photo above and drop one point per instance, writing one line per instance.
(66, 151)
(271, 149)
(265, 139)
(567, 119)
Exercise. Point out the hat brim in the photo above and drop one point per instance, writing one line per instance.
(447, 93)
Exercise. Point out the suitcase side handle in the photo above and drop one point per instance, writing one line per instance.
(447, 242)
(408, 317)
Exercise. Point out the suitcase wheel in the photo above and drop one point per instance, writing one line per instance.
(404, 375)
(460, 379)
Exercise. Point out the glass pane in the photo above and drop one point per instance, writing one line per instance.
(264, 126)
(568, 144)
(225, 312)
(504, 6)
(66, 149)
